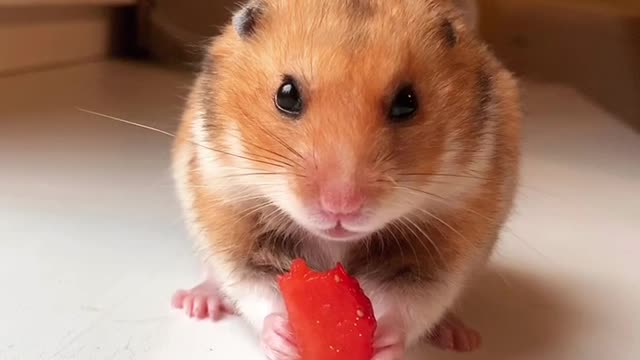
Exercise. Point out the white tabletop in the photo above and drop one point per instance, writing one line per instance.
(92, 244)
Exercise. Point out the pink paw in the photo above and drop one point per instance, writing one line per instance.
(391, 352)
(203, 301)
(452, 334)
(389, 344)
(277, 340)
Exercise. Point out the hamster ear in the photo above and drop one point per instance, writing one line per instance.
(469, 9)
(246, 20)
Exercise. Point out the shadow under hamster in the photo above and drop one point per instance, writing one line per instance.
(518, 315)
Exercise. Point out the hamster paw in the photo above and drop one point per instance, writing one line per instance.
(389, 344)
(277, 339)
(203, 301)
(391, 352)
(452, 334)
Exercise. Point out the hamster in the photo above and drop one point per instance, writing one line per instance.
(379, 134)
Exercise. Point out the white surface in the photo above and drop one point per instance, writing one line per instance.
(92, 245)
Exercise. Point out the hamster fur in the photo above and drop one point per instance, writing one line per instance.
(412, 207)
(470, 12)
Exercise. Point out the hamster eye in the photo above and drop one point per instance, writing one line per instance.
(404, 104)
(288, 99)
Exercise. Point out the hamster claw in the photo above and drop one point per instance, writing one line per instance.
(391, 352)
(453, 335)
(202, 302)
(277, 339)
(390, 341)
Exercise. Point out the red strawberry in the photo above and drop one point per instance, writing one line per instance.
(331, 317)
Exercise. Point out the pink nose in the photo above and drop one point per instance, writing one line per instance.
(341, 200)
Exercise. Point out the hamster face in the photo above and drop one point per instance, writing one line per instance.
(349, 116)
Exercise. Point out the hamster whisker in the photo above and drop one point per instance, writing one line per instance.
(261, 174)
(418, 181)
(424, 233)
(255, 171)
(276, 161)
(432, 215)
(283, 143)
(415, 235)
(285, 160)
(256, 158)
(407, 240)
(252, 210)
(276, 138)
(235, 199)
(443, 200)
(275, 216)
(142, 126)
(172, 135)
(234, 168)
(463, 176)
(505, 227)
(385, 158)
(393, 234)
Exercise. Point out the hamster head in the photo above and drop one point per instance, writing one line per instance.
(345, 116)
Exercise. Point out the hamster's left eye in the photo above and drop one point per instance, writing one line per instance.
(404, 104)
(288, 99)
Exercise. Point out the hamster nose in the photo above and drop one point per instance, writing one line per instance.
(341, 200)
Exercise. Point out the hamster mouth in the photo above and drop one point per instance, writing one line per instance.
(340, 233)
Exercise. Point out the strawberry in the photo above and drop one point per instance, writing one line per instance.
(329, 314)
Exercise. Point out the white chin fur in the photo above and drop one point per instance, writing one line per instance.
(351, 238)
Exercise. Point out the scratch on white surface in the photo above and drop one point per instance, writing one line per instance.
(126, 349)
(142, 321)
(90, 308)
(73, 339)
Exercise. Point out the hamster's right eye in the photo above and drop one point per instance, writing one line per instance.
(288, 99)
(404, 105)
